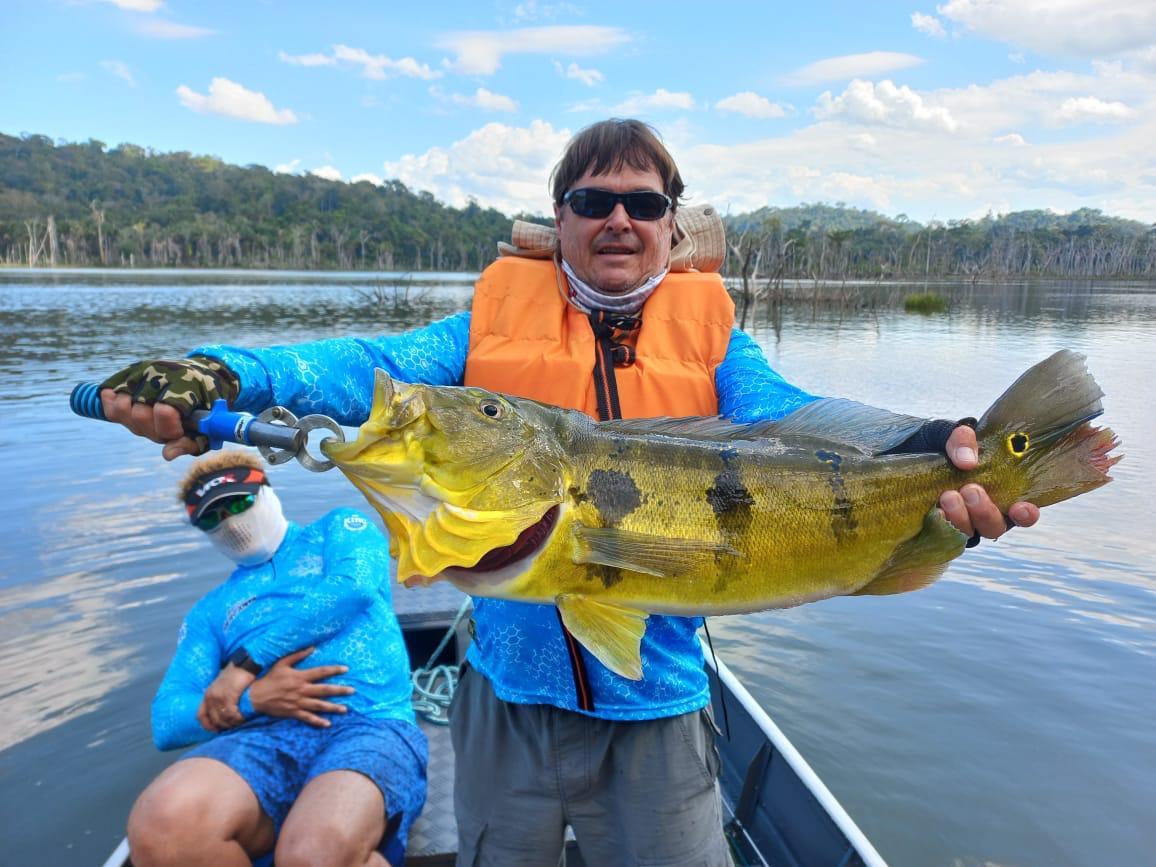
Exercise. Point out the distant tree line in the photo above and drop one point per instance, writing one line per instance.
(86, 204)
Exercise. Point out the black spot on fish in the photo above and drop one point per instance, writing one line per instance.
(842, 515)
(609, 575)
(614, 494)
(731, 503)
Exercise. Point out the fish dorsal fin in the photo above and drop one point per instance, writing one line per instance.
(662, 556)
(613, 633)
(920, 560)
(714, 428)
(848, 423)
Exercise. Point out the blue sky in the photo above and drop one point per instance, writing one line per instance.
(939, 111)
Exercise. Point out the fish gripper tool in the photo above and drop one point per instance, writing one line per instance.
(277, 433)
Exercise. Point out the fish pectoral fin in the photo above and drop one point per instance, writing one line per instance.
(920, 560)
(613, 633)
(661, 556)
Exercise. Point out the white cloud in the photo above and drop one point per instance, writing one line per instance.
(1089, 108)
(160, 29)
(288, 168)
(327, 172)
(482, 98)
(307, 59)
(368, 177)
(660, 100)
(481, 52)
(589, 77)
(504, 167)
(378, 66)
(230, 99)
(137, 5)
(750, 104)
(1012, 138)
(884, 103)
(852, 66)
(1080, 28)
(928, 24)
(119, 69)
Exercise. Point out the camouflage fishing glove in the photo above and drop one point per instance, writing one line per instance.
(185, 383)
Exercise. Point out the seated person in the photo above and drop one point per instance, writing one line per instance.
(281, 767)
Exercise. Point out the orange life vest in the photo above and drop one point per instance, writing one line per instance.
(527, 340)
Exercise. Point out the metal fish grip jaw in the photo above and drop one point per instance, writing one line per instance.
(279, 415)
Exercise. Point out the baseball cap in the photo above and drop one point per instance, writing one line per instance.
(220, 484)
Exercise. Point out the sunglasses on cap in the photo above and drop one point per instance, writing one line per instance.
(596, 204)
(226, 509)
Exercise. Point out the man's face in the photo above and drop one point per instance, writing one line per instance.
(614, 254)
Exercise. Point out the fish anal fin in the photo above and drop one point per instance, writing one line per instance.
(918, 561)
(613, 633)
(661, 556)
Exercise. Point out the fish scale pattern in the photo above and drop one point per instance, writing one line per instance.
(518, 646)
(327, 586)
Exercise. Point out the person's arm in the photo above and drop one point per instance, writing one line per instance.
(193, 667)
(335, 377)
(332, 377)
(356, 564)
(749, 390)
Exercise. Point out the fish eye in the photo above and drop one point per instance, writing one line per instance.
(1018, 444)
(491, 408)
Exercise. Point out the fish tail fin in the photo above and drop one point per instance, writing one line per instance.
(1042, 422)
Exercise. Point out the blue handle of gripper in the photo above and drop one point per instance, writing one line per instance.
(222, 425)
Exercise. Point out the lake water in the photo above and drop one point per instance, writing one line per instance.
(1003, 716)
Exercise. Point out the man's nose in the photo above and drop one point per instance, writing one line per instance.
(619, 219)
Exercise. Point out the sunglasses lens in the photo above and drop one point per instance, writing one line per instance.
(595, 204)
(231, 506)
(237, 505)
(645, 206)
(592, 204)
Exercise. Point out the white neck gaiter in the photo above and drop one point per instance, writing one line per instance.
(588, 299)
(253, 536)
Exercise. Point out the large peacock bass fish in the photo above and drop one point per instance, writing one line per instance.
(611, 521)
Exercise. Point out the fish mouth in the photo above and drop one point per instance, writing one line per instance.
(529, 541)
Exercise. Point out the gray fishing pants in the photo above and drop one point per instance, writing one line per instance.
(635, 793)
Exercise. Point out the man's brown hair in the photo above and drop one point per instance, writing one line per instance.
(607, 146)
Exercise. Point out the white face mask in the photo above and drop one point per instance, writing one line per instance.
(253, 536)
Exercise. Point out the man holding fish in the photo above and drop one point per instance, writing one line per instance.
(623, 317)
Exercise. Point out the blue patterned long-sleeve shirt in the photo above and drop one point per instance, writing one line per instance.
(327, 587)
(517, 646)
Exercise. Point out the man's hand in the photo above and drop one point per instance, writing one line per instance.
(153, 398)
(218, 710)
(970, 509)
(285, 691)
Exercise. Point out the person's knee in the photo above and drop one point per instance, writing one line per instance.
(325, 843)
(160, 828)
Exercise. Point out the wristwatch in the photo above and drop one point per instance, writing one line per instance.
(242, 659)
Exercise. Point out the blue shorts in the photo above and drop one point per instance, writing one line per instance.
(278, 757)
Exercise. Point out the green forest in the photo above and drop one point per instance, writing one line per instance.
(87, 204)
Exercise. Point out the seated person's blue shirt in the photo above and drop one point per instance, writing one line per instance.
(326, 587)
(518, 646)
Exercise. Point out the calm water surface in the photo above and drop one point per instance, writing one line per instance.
(1003, 716)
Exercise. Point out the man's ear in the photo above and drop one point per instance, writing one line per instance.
(558, 218)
